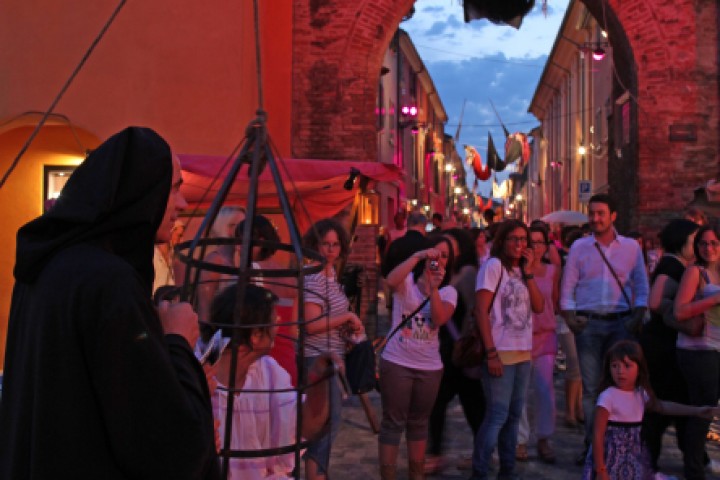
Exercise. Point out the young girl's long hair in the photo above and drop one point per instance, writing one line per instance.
(634, 353)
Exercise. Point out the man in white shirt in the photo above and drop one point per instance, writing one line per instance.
(594, 306)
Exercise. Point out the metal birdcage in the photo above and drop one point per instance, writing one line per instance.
(257, 154)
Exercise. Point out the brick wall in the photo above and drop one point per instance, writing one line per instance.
(673, 49)
(364, 252)
(338, 47)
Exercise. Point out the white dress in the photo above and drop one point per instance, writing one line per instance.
(260, 421)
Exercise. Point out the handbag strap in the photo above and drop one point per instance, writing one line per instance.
(382, 344)
(492, 301)
(617, 279)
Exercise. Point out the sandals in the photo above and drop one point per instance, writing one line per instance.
(521, 453)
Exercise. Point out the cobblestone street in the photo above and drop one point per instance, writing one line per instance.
(354, 454)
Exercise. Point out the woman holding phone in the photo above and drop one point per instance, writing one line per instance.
(506, 296)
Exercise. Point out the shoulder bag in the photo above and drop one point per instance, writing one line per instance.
(469, 349)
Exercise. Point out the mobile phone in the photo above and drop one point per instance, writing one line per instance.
(523, 262)
(214, 350)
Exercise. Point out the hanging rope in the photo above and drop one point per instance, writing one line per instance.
(258, 63)
(62, 91)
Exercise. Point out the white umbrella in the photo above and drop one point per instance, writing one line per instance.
(569, 217)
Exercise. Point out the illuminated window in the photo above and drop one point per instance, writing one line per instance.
(54, 179)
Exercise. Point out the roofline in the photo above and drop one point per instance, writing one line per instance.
(549, 64)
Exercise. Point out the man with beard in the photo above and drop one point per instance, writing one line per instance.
(591, 301)
(98, 383)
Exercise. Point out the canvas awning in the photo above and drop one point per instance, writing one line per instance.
(312, 185)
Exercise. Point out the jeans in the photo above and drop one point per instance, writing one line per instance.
(505, 398)
(319, 449)
(592, 343)
(544, 405)
(701, 369)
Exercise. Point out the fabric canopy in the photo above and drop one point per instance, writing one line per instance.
(312, 185)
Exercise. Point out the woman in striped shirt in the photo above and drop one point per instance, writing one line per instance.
(325, 327)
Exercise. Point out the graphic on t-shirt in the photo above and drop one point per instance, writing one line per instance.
(515, 306)
(419, 328)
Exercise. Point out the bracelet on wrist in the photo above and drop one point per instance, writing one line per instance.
(528, 276)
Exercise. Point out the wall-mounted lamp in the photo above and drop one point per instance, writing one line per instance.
(458, 190)
(350, 182)
(518, 197)
(449, 167)
(582, 150)
(409, 110)
(596, 49)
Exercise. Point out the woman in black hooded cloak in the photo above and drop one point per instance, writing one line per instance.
(97, 382)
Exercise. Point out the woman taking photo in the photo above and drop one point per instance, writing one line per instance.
(505, 299)
(326, 328)
(699, 356)
(411, 368)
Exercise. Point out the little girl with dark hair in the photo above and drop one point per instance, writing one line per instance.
(617, 452)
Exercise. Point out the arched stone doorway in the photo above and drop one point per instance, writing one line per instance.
(666, 58)
(338, 49)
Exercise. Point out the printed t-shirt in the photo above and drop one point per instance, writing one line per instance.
(416, 345)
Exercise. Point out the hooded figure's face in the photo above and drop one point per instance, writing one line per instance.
(119, 199)
(176, 203)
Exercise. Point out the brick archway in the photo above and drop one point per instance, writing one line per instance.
(667, 57)
(338, 48)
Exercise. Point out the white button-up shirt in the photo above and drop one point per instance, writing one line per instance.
(588, 284)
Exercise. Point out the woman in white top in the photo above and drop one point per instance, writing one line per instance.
(264, 414)
(411, 368)
(505, 284)
(699, 357)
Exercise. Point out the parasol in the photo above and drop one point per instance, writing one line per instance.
(570, 217)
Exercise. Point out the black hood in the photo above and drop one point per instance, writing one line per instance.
(116, 199)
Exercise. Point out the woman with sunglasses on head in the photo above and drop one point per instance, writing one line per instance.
(506, 296)
(410, 367)
(699, 356)
(326, 328)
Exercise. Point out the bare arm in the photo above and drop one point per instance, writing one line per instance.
(483, 298)
(664, 407)
(685, 306)
(316, 323)
(398, 274)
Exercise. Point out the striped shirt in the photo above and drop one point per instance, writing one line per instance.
(318, 289)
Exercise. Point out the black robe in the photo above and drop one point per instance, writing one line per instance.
(93, 389)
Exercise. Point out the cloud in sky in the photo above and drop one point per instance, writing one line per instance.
(481, 62)
(480, 38)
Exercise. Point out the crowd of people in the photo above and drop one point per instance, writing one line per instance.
(100, 382)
